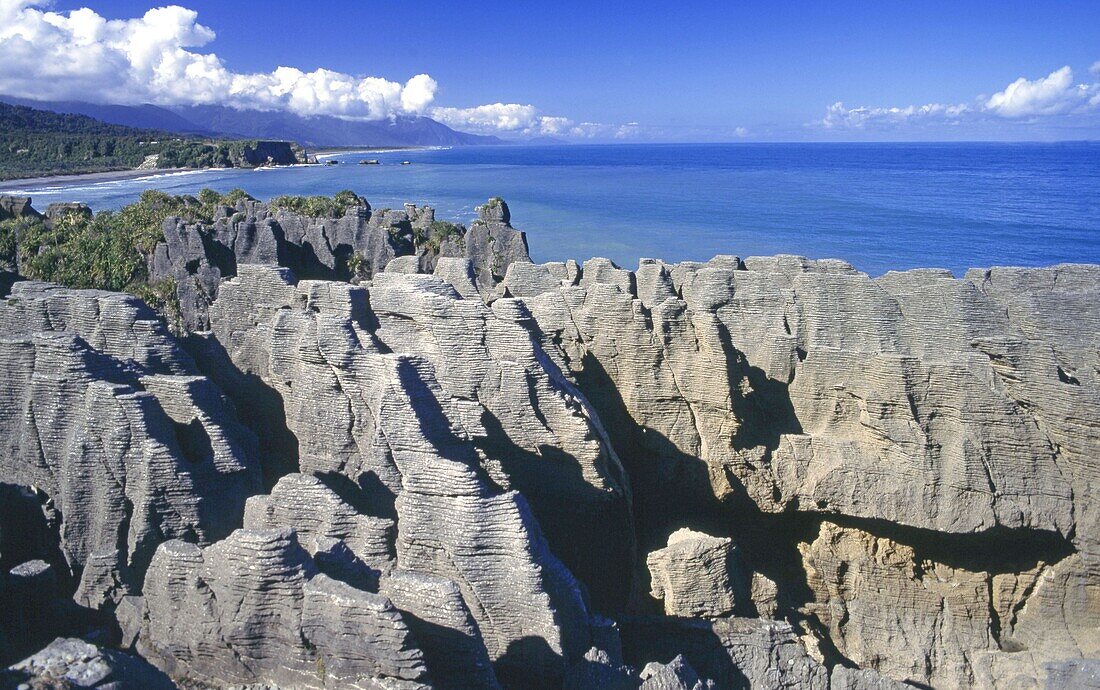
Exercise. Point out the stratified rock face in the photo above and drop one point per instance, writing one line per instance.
(806, 384)
(730, 652)
(492, 244)
(253, 608)
(317, 513)
(467, 452)
(541, 437)
(103, 413)
(450, 637)
(383, 425)
(692, 575)
(675, 675)
(953, 407)
(361, 244)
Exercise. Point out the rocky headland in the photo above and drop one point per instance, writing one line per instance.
(359, 448)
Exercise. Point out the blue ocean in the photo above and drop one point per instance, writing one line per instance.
(881, 207)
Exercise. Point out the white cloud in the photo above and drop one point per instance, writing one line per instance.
(838, 115)
(151, 59)
(1055, 94)
(523, 120)
(1095, 69)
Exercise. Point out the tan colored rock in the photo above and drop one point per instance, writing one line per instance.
(692, 575)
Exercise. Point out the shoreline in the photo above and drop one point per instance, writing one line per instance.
(331, 151)
(69, 179)
(7, 186)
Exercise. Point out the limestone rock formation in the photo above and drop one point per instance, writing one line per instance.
(382, 424)
(730, 652)
(675, 675)
(106, 415)
(402, 455)
(253, 608)
(937, 405)
(358, 245)
(692, 575)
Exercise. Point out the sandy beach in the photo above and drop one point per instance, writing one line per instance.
(84, 178)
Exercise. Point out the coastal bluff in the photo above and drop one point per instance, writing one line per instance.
(372, 449)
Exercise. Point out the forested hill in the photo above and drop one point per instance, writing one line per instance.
(39, 142)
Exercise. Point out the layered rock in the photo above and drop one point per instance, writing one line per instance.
(358, 245)
(104, 414)
(381, 425)
(541, 437)
(777, 384)
(730, 652)
(74, 663)
(693, 575)
(465, 451)
(253, 608)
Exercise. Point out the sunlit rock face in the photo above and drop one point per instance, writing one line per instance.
(466, 470)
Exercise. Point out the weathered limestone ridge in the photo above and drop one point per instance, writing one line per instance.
(442, 465)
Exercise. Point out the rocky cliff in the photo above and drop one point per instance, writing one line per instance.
(444, 465)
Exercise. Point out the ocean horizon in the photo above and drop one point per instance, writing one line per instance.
(879, 206)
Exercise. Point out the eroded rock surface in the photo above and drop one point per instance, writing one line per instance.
(938, 405)
(254, 608)
(693, 575)
(102, 412)
(358, 245)
(438, 475)
(384, 425)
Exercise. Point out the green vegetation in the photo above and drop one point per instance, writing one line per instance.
(38, 142)
(437, 233)
(109, 250)
(320, 206)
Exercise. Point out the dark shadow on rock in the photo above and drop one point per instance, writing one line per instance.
(767, 412)
(258, 405)
(649, 638)
(670, 488)
(590, 530)
(368, 495)
(529, 664)
(28, 531)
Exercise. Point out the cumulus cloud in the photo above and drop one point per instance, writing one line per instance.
(1054, 94)
(153, 59)
(524, 120)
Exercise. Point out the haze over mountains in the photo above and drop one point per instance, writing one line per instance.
(321, 130)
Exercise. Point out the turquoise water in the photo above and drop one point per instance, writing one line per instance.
(878, 206)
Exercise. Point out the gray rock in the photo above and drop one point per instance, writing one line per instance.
(380, 420)
(104, 414)
(675, 675)
(73, 663)
(1083, 674)
(453, 646)
(731, 652)
(358, 245)
(16, 207)
(65, 209)
(253, 608)
(598, 670)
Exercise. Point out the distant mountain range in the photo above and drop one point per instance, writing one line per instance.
(316, 131)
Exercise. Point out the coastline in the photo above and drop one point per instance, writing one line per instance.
(337, 151)
(107, 176)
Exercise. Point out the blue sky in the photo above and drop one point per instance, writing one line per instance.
(616, 71)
